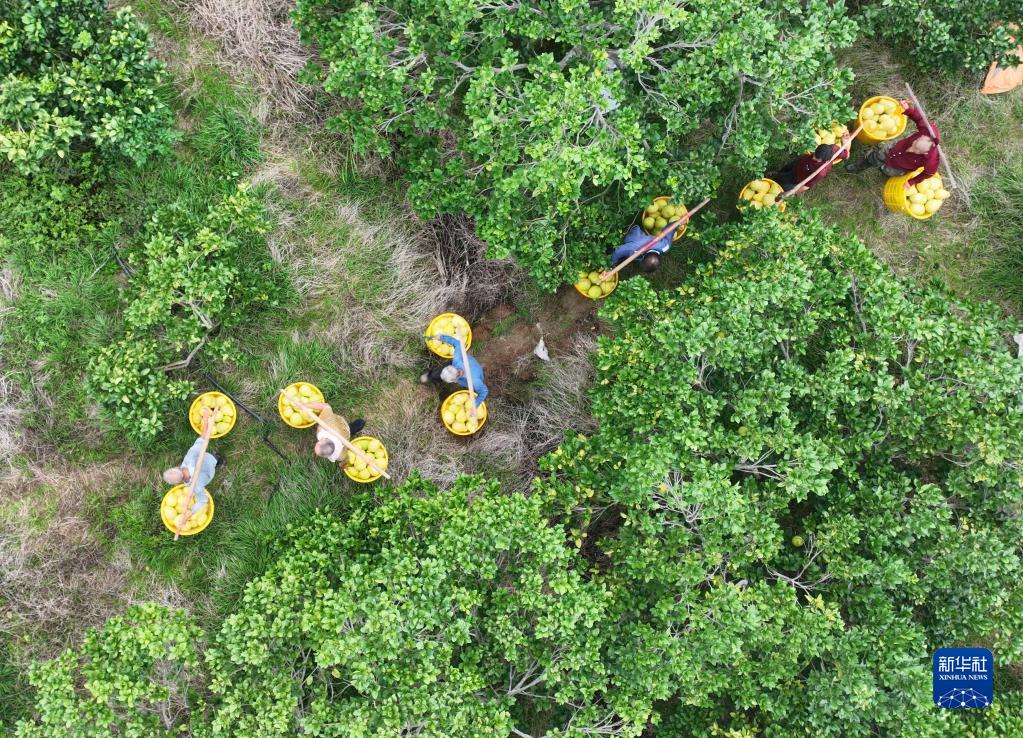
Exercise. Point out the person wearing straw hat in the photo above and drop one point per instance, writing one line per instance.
(804, 166)
(182, 474)
(919, 151)
(635, 239)
(330, 427)
(454, 373)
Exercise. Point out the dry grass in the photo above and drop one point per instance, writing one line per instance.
(56, 578)
(12, 402)
(258, 44)
(374, 287)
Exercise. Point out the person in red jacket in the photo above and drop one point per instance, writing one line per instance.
(907, 155)
(802, 167)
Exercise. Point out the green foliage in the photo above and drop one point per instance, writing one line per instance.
(550, 124)
(132, 678)
(77, 80)
(795, 388)
(191, 279)
(951, 35)
(438, 613)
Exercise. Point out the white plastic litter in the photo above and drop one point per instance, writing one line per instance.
(541, 351)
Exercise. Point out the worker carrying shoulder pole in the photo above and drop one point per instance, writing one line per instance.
(328, 429)
(454, 373)
(636, 239)
(907, 155)
(804, 166)
(183, 474)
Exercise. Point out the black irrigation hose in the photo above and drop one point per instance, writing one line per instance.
(209, 378)
(259, 418)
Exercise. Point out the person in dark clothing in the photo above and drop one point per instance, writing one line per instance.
(896, 158)
(803, 166)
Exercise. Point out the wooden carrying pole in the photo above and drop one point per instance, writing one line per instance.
(333, 433)
(941, 152)
(669, 231)
(468, 381)
(207, 431)
(846, 144)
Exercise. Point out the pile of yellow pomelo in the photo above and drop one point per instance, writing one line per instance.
(174, 504)
(590, 285)
(927, 197)
(452, 325)
(455, 414)
(659, 213)
(306, 393)
(834, 136)
(222, 413)
(359, 470)
(760, 193)
(882, 119)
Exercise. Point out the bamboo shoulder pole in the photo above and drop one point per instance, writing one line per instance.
(207, 431)
(333, 433)
(668, 231)
(468, 381)
(846, 145)
(941, 152)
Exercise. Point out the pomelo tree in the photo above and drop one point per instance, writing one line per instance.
(552, 123)
(812, 475)
(77, 86)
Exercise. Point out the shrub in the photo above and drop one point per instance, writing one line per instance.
(192, 278)
(813, 476)
(950, 35)
(77, 81)
(551, 123)
(439, 614)
(132, 678)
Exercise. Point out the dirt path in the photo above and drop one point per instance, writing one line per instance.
(504, 341)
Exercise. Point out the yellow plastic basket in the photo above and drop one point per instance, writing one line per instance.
(581, 291)
(442, 349)
(169, 517)
(373, 476)
(293, 389)
(895, 194)
(746, 190)
(679, 231)
(868, 138)
(195, 413)
(450, 402)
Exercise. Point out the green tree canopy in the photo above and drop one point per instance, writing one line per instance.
(77, 80)
(439, 614)
(550, 123)
(950, 35)
(813, 470)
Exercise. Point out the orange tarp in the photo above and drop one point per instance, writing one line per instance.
(1002, 79)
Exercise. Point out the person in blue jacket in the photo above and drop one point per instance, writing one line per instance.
(634, 241)
(454, 373)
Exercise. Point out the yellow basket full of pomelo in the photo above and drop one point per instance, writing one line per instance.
(455, 414)
(448, 324)
(662, 212)
(174, 504)
(357, 469)
(761, 193)
(222, 411)
(589, 285)
(882, 120)
(919, 201)
(306, 393)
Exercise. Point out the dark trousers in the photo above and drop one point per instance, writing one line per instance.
(786, 176)
(434, 374)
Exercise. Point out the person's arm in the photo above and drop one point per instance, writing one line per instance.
(192, 456)
(930, 167)
(456, 358)
(318, 406)
(481, 390)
